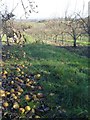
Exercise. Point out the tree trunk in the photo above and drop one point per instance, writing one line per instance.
(89, 37)
(62, 38)
(89, 27)
(7, 40)
(74, 41)
(0, 52)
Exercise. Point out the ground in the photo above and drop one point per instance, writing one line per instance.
(45, 80)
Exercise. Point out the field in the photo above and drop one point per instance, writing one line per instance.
(54, 76)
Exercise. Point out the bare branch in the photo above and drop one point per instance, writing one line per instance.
(24, 8)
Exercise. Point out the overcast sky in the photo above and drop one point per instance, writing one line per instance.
(48, 8)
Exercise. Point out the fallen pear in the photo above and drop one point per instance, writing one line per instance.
(5, 72)
(27, 108)
(40, 95)
(22, 110)
(2, 93)
(37, 76)
(15, 97)
(12, 90)
(18, 69)
(18, 93)
(4, 76)
(7, 93)
(15, 105)
(5, 104)
(27, 97)
(0, 83)
(12, 82)
(20, 90)
(37, 116)
(27, 80)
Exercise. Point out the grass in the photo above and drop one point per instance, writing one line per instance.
(79, 42)
(64, 76)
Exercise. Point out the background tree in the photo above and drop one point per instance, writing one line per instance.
(73, 28)
(7, 17)
(57, 30)
(85, 23)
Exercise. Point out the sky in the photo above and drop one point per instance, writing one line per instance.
(48, 8)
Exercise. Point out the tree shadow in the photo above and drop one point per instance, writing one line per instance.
(80, 50)
(48, 52)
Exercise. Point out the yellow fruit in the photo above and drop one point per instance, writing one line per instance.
(0, 83)
(27, 80)
(18, 69)
(31, 82)
(20, 90)
(12, 82)
(33, 110)
(15, 97)
(23, 66)
(27, 108)
(32, 87)
(5, 72)
(4, 76)
(16, 78)
(7, 93)
(27, 97)
(0, 99)
(15, 105)
(37, 116)
(39, 87)
(2, 93)
(34, 97)
(22, 72)
(40, 95)
(27, 84)
(12, 90)
(19, 80)
(37, 76)
(34, 82)
(18, 93)
(5, 104)
(22, 110)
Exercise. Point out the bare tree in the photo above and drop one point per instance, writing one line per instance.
(85, 23)
(7, 16)
(56, 29)
(73, 28)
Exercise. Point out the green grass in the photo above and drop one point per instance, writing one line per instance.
(80, 42)
(64, 76)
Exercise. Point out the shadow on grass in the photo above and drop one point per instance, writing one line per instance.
(80, 50)
(48, 51)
